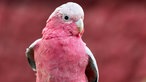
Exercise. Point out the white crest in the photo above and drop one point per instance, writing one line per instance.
(72, 9)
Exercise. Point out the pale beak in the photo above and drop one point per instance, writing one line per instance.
(80, 25)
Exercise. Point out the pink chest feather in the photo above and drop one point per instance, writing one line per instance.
(61, 59)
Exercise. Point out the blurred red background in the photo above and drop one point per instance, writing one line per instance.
(115, 31)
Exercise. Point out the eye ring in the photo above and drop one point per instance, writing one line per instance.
(65, 17)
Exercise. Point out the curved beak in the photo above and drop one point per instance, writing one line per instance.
(80, 25)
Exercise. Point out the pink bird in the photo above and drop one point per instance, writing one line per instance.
(61, 55)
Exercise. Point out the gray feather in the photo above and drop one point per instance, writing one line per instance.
(30, 54)
(92, 69)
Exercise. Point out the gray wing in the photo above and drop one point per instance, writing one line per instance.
(30, 54)
(91, 69)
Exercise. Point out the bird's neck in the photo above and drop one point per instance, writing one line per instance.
(57, 33)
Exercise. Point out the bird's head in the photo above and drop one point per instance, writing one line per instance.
(67, 18)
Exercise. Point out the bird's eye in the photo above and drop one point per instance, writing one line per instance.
(66, 17)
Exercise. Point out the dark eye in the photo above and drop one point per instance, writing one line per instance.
(66, 17)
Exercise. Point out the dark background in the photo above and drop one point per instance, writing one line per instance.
(115, 31)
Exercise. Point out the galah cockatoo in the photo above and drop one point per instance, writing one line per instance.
(61, 55)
